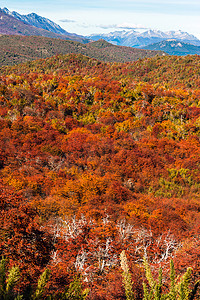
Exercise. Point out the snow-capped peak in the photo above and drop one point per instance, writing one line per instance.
(181, 35)
(141, 39)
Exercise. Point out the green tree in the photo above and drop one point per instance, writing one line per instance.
(75, 291)
(126, 277)
(7, 283)
(179, 288)
(44, 278)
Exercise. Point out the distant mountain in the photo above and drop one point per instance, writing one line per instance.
(17, 49)
(174, 47)
(37, 21)
(13, 25)
(136, 39)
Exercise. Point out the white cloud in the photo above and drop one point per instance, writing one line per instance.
(67, 21)
(130, 26)
(124, 25)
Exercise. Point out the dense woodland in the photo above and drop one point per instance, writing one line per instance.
(97, 159)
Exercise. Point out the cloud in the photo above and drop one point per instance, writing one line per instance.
(130, 26)
(122, 26)
(67, 21)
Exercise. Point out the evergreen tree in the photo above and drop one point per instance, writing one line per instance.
(126, 277)
(41, 285)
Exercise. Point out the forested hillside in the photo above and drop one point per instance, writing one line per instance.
(18, 49)
(96, 159)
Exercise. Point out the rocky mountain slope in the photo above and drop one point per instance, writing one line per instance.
(38, 21)
(11, 25)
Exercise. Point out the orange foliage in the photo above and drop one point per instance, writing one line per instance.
(79, 138)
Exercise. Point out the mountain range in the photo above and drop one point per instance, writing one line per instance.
(137, 39)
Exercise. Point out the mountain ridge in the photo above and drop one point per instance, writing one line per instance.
(37, 21)
(136, 39)
(13, 26)
(175, 47)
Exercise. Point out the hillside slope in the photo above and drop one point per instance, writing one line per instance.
(18, 49)
(169, 71)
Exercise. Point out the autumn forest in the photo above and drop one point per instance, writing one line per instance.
(99, 177)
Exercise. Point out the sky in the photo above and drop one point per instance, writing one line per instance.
(102, 16)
